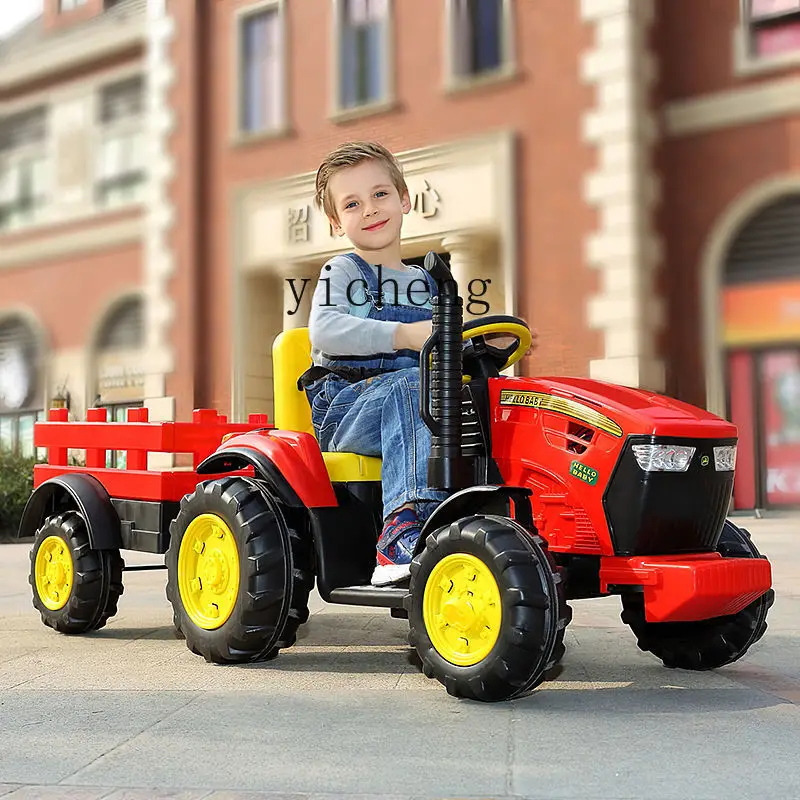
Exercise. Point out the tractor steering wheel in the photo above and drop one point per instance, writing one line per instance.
(477, 333)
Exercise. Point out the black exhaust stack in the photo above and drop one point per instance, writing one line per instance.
(440, 383)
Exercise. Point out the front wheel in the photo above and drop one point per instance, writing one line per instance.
(487, 610)
(707, 644)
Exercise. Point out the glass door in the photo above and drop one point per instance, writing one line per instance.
(779, 425)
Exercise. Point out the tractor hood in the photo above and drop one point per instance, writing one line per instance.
(635, 411)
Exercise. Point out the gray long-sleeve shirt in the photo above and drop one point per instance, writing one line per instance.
(338, 324)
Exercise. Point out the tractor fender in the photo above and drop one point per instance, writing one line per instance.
(289, 462)
(480, 500)
(87, 496)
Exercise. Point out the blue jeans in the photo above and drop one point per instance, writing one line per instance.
(380, 417)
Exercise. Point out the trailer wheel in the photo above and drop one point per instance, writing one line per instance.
(75, 588)
(707, 644)
(486, 609)
(237, 580)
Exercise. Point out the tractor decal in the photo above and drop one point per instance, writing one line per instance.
(560, 405)
(583, 473)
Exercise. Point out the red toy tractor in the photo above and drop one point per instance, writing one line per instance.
(559, 489)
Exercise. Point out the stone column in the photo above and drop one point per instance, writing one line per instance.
(624, 189)
(465, 263)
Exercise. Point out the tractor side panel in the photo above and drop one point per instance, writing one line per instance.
(565, 455)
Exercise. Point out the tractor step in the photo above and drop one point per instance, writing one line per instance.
(382, 596)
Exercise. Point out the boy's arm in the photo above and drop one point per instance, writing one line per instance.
(332, 327)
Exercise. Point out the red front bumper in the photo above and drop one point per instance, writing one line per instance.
(690, 587)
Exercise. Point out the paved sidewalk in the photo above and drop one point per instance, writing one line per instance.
(129, 712)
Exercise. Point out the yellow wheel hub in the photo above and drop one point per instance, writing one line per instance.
(208, 571)
(462, 609)
(54, 573)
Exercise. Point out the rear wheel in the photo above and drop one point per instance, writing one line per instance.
(486, 609)
(708, 644)
(75, 588)
(237, 578)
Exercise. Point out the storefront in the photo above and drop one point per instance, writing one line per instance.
(461, 196)
(761, 337)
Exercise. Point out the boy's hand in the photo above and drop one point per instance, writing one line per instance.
(412, 335)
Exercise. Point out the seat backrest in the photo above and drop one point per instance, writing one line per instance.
(291, 357)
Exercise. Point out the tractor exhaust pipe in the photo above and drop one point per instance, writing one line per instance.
(440, 383)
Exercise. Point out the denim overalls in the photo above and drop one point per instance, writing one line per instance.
(379, 414)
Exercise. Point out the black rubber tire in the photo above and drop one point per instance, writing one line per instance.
(709, 644)
(98, 578)
(534, 611)
(275, 580)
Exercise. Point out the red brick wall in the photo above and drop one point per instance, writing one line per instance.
(69, 294)
(695, 42)
(543, 106)
(186, 193)
(703, 175)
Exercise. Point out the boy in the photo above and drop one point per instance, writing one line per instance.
(370, 316)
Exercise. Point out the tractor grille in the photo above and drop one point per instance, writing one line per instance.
(664, 513)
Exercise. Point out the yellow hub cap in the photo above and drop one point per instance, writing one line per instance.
(208, 571)
(54, 573)
(462, 609)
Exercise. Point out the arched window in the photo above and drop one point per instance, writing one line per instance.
(119, 376)
(20, 385)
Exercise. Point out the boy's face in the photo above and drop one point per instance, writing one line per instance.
(368, 205)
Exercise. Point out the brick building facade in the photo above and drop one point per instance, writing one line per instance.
(625, 173)
(72, 182)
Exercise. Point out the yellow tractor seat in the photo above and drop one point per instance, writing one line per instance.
(291, 357)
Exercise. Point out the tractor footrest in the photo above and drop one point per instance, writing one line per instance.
(382, 596)
(691, 587)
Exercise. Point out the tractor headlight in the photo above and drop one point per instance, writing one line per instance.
(725, 458)
(663, 457)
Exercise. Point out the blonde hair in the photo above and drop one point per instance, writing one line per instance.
(351, 154)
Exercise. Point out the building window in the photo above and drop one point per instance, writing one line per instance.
(24, 168)
(261, 70)
(16, 434)
(121, 168)
(117, 459)
(773, 27)
(363, 47)
(70, 5)
(480, 36)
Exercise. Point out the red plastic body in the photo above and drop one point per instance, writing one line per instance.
(297, 457)
(531, 447)
(534, 442)
(540, 429)
(137, 437)
(690, 587)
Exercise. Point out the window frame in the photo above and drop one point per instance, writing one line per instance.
(746, 60)
(117, 459)
(39, 150)
(281, 128)
(340, 112)
(508, 52)
(39, 415)
(132, 125)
